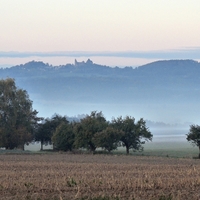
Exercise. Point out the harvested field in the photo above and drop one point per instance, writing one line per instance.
(67, 176)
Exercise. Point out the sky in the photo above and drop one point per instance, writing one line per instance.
(110, 32)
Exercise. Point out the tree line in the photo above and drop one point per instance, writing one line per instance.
(92, 132)
(20, 125)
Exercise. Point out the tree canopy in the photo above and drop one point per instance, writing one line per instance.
(86, 129)
(134, 133)
(63, 137)
(108, 139)
(18, 120)
(194, 136)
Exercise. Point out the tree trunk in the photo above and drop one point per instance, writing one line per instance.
(92, 147)
(93, 150)
(127, 150)
(41, 148)
(199, 152)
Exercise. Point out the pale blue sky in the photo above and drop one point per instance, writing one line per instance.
(99, 25)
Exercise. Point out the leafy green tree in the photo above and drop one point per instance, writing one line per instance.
(87, 128)
(18, 121)
(63, 137)
(134, 133)
(108, 139)
(47, 128)
(194, 136)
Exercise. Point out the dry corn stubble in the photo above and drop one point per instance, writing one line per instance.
(66, 176)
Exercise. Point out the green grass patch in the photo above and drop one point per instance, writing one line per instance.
(165, 149)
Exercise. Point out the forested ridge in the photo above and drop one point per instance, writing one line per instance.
(80, 80)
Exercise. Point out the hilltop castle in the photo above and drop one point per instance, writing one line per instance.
(88, 62)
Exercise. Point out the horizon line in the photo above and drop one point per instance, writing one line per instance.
(189, 53)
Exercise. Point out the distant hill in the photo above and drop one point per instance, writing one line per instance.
(166, 90)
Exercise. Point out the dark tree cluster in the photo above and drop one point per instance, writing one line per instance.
(93, 131)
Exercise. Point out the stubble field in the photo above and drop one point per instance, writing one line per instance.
(98, 177)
